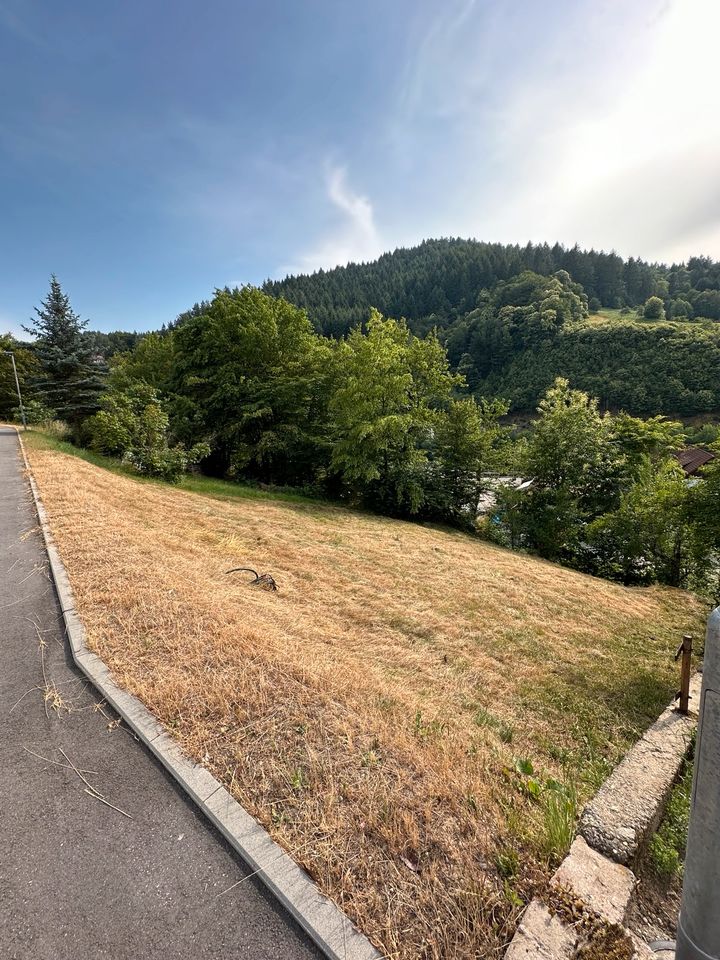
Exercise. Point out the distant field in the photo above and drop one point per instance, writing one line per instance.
(606, 314)
(395, 713)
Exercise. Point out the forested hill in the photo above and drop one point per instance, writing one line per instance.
(489, 311)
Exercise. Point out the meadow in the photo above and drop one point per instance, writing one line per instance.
(415, 715)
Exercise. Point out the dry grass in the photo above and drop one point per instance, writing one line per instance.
(369, 712)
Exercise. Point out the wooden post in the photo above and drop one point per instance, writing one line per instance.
(684, 651)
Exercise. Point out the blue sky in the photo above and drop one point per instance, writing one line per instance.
(151, 151)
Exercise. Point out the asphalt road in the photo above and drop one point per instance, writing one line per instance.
(78, 880)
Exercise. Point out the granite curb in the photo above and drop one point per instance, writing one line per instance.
(328, 926)
(614, 827)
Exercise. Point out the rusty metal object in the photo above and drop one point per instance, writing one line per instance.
(262, 580)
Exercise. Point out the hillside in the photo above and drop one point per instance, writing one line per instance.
(648, 368)
(641, 366)
(378, 712)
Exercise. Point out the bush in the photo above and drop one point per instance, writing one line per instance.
(654, 309)
(594, 305)
(165, 463)
(133, 425)
(35, 413)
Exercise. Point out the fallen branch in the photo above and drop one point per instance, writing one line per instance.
(57, 762)
(107, 803)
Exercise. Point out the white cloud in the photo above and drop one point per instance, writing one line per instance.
(594, 122)
(638, 172)
(353, 236)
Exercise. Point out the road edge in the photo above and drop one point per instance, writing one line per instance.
(323, 921)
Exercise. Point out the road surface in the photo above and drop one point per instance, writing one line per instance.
(78, 879)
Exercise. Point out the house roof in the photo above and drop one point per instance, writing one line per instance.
(692, 458)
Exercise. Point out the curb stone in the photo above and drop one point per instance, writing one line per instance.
(629, 805)
(326, 925)
(614, 825)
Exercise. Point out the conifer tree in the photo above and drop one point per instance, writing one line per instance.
(70, 379)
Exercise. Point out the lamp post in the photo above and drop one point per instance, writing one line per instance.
(698, 935)
(10, 354)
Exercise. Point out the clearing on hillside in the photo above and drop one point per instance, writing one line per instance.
(414, 714)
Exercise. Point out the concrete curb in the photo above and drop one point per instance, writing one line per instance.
(628, 807)
(614, 826)
(319, 917)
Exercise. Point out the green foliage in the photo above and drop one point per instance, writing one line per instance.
(464, 446)
(389, 388)
(647, 538)
(654, 309)
(250, 376)
(646, 367)
(108, 345)
(559, 813)
(402, 442)
(575, 467)
(438, 281)
(27, 367)
(703, 515)
(35, 413)
(70, 379)
(166, 463)
(133, 425)
(557, 808)
(681, 309)
(667, 846)
(641, 366)
(608, 497)
(520, 314)
(654, 439)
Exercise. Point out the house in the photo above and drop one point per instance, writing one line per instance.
(692, 459)
(488, 498)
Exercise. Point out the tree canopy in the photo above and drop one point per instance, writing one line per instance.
(69, 377)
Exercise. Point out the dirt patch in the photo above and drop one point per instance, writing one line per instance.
(655, 907)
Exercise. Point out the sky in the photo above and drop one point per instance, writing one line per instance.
(152, 151)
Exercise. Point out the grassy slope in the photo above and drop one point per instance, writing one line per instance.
(368, 713)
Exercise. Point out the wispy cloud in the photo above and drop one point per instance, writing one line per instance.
(636, 168)
(516, 122)
(353, 235)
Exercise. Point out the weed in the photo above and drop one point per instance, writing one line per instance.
(298, 780)
(507, 863)
(559, 812)
(667, 846)
(427, 729)
(557, 809)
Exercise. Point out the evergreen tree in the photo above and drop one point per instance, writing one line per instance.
(70, 380)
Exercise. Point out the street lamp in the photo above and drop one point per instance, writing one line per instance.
(10, 354)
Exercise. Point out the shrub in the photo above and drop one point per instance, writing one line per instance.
(165, 463)
(654, 309)
(133, 425)
(35, 413)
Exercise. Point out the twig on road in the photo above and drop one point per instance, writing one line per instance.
(56, 762)
(92, 791)
(77, 771)
(108, 804)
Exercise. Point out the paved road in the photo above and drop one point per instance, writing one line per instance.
(79, 881)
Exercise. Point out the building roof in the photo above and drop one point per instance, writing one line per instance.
(692, 458)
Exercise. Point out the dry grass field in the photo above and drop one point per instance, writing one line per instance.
(379, 712)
